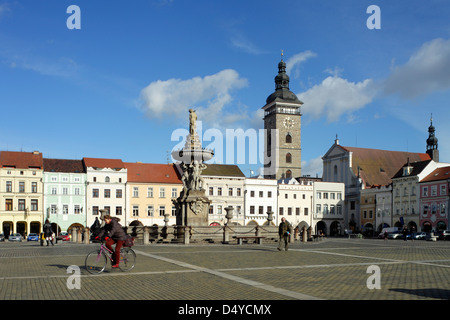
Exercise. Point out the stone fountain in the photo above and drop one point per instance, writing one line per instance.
(192, 202)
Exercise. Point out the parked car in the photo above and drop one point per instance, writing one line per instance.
(445, 235)
(2, 237)
(395, 235)
(421, 236)
(33, 237)
(15, 237)
(64, 236)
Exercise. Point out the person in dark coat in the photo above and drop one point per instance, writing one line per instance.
(116, 236)
(48, 232)
(95, 228)
(284, 230)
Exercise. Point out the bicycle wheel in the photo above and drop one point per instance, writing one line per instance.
(127, 259)
(95, 262)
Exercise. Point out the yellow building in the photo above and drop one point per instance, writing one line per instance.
(21, 192)
(151, 190)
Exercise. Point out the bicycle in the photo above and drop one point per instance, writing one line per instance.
(96, 261)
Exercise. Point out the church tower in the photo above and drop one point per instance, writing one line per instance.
(432, 143)
(282, 148)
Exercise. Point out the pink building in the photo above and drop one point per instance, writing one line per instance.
(434, 200)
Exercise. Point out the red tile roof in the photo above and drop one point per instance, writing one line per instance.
(103, 163)
(21, 160)
(438, 174)
(152, 173)
(377, 167)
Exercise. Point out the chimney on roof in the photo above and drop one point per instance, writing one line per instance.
(36, 152)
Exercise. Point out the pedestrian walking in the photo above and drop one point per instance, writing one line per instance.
(284, 230)
(48, 232)
(405, 233)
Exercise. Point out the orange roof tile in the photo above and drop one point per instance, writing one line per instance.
(438, 174)
(152, 173)
(21, 160)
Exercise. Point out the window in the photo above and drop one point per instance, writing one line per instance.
(281, 211)
(325, 195)
(211, 209)
(261, 194)
(288, 174)
(238, 192)
(150, 211)
(434, 190)
(443, 190)
(269, 194)
(107, 209)
(425, 191)
(305, 211)
(318, 208)
(94, 193)
(107, 193)
(76, 209)
(162, 211)
(174, 192)
(288, 158)
(174, 211)
(34, 205)
(150, 192)
(65, 209)
(325, 209)
(65, 190)
(288, 138)
(252, 209)
(95, 210)
(252, 194)
(21, 204)
(77, 191)
(53, 209)
(211, 191)
(8, 204)
(289, 211)
(339, 209)
(261, 210)
(332, 209)
(269, 208)
(219, 191)
(135, 211)
(319, 195)
(118, 193)
(8, 186)
(21, 187)
(230, 192)
(107, 179)
(54, 190)
(286, 195)
(297, 211)
(162, 192)
(135, 192)
(219, 209)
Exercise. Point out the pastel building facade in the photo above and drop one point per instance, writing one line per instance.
(105, 189)
(21, 205)
(260, 197)
(151, 191)
(64, 193)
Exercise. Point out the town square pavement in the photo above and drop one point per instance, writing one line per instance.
(332, 269)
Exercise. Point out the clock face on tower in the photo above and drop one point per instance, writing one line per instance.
(288, 123)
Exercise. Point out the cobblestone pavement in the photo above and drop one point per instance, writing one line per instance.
(336, 269)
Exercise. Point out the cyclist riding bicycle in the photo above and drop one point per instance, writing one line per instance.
(116, 235)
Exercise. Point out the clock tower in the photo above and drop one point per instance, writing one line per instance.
(282, 148)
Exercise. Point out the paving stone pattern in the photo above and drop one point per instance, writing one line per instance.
(334, 269)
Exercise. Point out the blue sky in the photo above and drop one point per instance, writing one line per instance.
(120, 86)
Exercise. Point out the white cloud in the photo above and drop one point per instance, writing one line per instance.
(312, 167)
(427, 70)
(293, 62)
(242, 43)
(209, 95)
(336, 96)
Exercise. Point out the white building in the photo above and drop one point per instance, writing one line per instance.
(260, 197)
(105, 190)
(224, 185)
(295, 202)
(329, 199)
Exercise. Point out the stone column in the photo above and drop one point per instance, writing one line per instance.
(146, 235)
(79, 236)
(74, 234)
(304, 235)
(87, 236)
